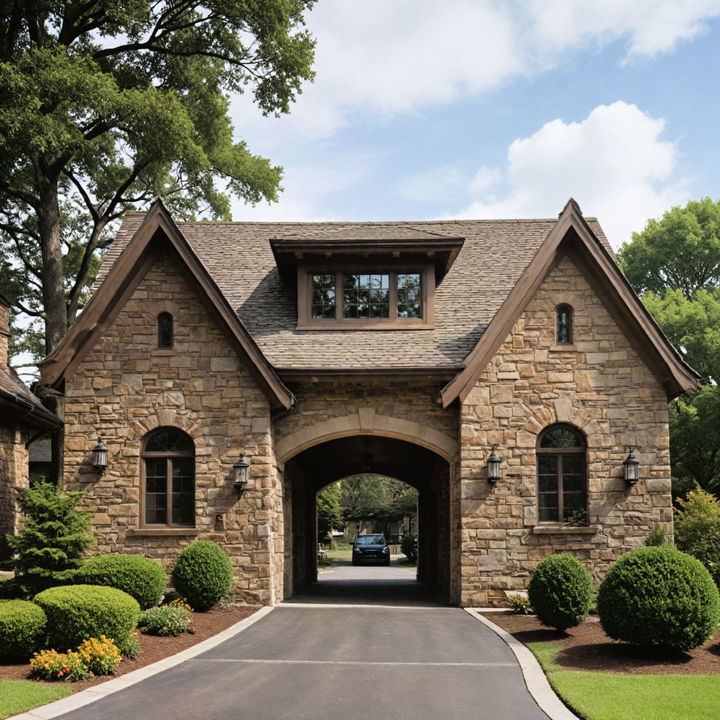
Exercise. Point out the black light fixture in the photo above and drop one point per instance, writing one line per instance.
(631, 466)
(100, 457)
(240, 474)
(493, 466)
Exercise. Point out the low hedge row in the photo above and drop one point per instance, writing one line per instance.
(22, 629)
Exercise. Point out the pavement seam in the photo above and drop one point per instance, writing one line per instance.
(97, 692)
(535, 679)
(270, 661)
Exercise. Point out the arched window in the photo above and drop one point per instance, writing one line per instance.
(165, 330)
(564, 328)
(562, 477)
(168, 459)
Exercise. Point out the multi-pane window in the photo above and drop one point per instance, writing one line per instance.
(562, 477)
(564, 333)
(169, 478)
(165, 330)
(368, 295)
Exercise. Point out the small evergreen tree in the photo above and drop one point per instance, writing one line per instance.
(53, 538)
(697, 529)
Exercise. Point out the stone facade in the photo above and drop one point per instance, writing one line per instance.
(600, 386)
(13, 475)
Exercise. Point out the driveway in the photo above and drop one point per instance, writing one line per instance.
(335, 661)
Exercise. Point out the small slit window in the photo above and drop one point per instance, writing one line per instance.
(564, 329)
(165, 330)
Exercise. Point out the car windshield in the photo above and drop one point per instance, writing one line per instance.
(370, 540)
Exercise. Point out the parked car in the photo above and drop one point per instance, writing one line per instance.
(370, 548)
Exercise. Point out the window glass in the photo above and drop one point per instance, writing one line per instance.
(165, 330)
(366, 295)
(409, 295)
(169, 440)
(561, 436)
(564, 325)
(323, 295)
(156, 492)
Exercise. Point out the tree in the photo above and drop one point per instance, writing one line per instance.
(675, 263)
(329, 511)
(380, 499)
(104, 105)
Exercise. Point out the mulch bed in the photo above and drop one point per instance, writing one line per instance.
(204, 625)
(587, 647)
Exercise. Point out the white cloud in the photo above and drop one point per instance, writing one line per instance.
(484, 179)
(615, 163)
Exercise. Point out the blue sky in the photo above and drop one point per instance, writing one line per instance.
(469, 108)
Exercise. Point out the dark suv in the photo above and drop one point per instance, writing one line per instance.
(370, 548)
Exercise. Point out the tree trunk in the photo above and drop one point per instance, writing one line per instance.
(52, 264)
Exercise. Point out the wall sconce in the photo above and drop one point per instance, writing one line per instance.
(100, 457)
(631, 465)
(240, 474)
(493, 466)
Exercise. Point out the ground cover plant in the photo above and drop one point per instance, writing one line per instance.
(165, 621)
(203, 574)
(17, 696)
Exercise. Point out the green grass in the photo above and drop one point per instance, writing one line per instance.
(605, 696)
(17, 696)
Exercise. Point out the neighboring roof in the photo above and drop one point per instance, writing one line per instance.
(239, 257)
(18, 405)
(156, 228)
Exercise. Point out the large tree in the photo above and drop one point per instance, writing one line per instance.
(675, 264)
(105, 104)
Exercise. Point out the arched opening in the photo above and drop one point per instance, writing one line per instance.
(320, 465)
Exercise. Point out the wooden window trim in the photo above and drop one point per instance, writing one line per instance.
(168, 527)
(307, 322)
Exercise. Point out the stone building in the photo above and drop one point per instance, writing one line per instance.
(22, 417)
(504, 368)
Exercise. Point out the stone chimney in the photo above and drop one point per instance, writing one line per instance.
(4, 330)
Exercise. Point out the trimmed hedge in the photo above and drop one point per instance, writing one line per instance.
(659, 597)
(203, 574)
(78, 612)
(22, 628)
(560, 591)
(138, 576)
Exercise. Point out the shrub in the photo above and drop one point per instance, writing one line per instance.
(697, 529)
(52, 665)
(130, 646)
(22, 628)
(519, 604)
(78, 612)
(560, 591)
(203, 574)
(657, 537)
(100, 655)
(53, 538)
(659, 597)
(166, 620)
(138, 576)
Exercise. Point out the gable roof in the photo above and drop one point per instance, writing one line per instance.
(123, 278)
(573, 233)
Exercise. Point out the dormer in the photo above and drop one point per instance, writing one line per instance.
(376, 278)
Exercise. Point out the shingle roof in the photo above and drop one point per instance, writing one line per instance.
(239, 258)
(19, 405)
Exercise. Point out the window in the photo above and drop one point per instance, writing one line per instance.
(165, 330)
(564, 334)
(168, 459)
(562, 482)
(365, 298)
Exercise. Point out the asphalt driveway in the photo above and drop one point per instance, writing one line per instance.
(338, 662)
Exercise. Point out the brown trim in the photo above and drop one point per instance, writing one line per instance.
(571, 230)
(411, 374)
(304, 289)
(121, 281)
(556, 529)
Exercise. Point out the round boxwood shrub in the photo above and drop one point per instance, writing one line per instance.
(22, 628)
(78, 612)
(138, 576)
(203, 574)
(659, 597)
(560, 591)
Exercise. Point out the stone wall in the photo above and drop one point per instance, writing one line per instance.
(125, 387)
(13, 474)
(602, 387)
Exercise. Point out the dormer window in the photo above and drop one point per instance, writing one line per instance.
(165, 330)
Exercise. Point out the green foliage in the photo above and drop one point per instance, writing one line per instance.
(657, 537)
(203, 574)
(697, 529)
(53, 538)
(329, 511)
(560, 591)
(519, 604)
(78, 612)
(377, 498)
(166, 620)
(659, 597)
(22, 627)
(130, 646)
(140, 577)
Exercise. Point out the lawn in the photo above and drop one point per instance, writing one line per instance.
(17, 696)
(606, 696)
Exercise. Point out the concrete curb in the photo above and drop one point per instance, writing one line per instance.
(535, 680)
(85, 697)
